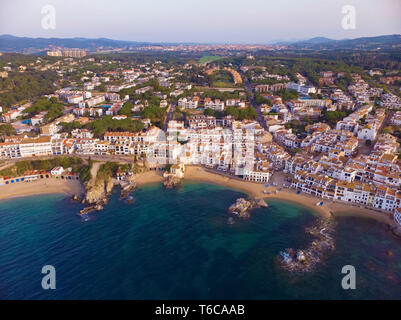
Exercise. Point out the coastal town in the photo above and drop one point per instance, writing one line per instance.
(334, 136)
(193, 157)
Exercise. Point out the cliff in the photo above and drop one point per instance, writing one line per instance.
(98, 190)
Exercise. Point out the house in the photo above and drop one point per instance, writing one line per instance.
(176, 170)
(57, 171)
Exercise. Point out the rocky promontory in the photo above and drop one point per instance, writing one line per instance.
(242, 206)
(171, 182)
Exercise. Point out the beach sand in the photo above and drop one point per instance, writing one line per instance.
(255, 190)
(42, 186)
(199, 174)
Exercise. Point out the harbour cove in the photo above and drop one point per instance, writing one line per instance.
(177, 244)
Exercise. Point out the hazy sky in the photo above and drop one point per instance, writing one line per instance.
(224, 21)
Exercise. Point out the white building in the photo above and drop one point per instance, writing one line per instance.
(57, 171)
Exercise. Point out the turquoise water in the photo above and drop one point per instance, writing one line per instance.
(176, 244)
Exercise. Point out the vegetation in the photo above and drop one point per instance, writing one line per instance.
(259, 99)
(242, 114)
(52, 106)
(332, 117)
(107, 170)
(286, 94)
(7, 130)
(26, 86)
(126, 109)
(206, 59)
(20, 167)
(156, 114)
(100, 126)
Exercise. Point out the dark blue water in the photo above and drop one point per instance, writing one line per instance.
(176, 244)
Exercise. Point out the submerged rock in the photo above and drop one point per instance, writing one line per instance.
(306, 259)
(397, 232)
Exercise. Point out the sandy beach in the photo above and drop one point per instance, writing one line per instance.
(199, 174)
(42, 186)
(255, 190)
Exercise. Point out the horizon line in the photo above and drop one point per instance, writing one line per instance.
(272, 42)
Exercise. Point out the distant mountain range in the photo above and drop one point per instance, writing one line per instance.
(9, 43)
(365, 43)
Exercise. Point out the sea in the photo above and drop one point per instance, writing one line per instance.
(177, 244)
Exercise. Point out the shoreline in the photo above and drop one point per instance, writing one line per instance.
(41, 187)
(199, 174)
(255, 190)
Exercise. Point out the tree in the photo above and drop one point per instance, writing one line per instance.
(248, 113)
(7, 130)
(100, 126)
(232, 111)
(126, 109)
(209, 112)
(53, 107)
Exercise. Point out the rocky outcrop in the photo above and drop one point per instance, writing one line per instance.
(305, 260)
(76, 197)
(98, 191)
(96, 196)
(241, 207)
(261, 203)
(171, 182)
(127, 187)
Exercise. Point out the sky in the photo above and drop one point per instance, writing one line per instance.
(200, 21)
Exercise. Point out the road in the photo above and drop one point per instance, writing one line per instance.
(260, 117)
(169, 116)
(103, 158)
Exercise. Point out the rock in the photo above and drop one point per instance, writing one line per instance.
(262, 203)
(109, 186)
(75, 197)
(171, 182)
(305, 260)
(240, 207)
(301, 256)
(126, 190)
(98, 191)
